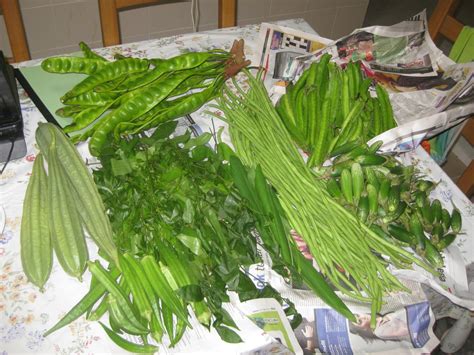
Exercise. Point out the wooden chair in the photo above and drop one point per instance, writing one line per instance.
(109, 18)
(16, 31)
(443, 23)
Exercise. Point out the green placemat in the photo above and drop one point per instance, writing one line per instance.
(48, 88)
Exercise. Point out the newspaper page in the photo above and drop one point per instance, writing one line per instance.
(284, 51)
(404, 324)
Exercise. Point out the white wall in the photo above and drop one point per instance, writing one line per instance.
(57, 26)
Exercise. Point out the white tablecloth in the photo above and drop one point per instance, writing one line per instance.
(25, 313)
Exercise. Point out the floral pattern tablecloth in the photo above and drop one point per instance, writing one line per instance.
(25, 312)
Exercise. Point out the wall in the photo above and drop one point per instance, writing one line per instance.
(57, 26)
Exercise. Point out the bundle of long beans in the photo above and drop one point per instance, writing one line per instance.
(347, 252)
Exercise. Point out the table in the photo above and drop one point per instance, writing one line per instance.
(25, 313)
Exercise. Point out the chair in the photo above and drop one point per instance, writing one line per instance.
(442, 23)
(109, 18)
(16, 31)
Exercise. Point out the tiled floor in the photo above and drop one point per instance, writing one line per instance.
(453, 167)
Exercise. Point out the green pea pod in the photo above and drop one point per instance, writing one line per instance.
(91, 98)
(62, 65)
(186, 105)
(171, 65)
(85, 118)
(109, 72)
(127, 345)
(69, 111)
(88, 53)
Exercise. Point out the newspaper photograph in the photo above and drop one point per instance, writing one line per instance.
(285, 51)
(401, 49)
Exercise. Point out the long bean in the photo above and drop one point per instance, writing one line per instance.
(334, 236)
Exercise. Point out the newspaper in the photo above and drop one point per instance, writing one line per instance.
(428, 91)
(404, 325)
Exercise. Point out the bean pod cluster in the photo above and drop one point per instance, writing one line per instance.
(130, 95)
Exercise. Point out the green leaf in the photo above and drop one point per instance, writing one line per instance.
(120, 167)
(188, 214)
(172, 174)
(192, 243)
(200, 140)
(164, 130)
(191, 293)
(228, 335)
(227, 319)
(224, 152)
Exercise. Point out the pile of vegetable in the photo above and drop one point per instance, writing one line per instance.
(328, 108)
(131, 95)
(183, 225)
(184, 221)
(347, 252)
(59, 209)
(393, 201)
